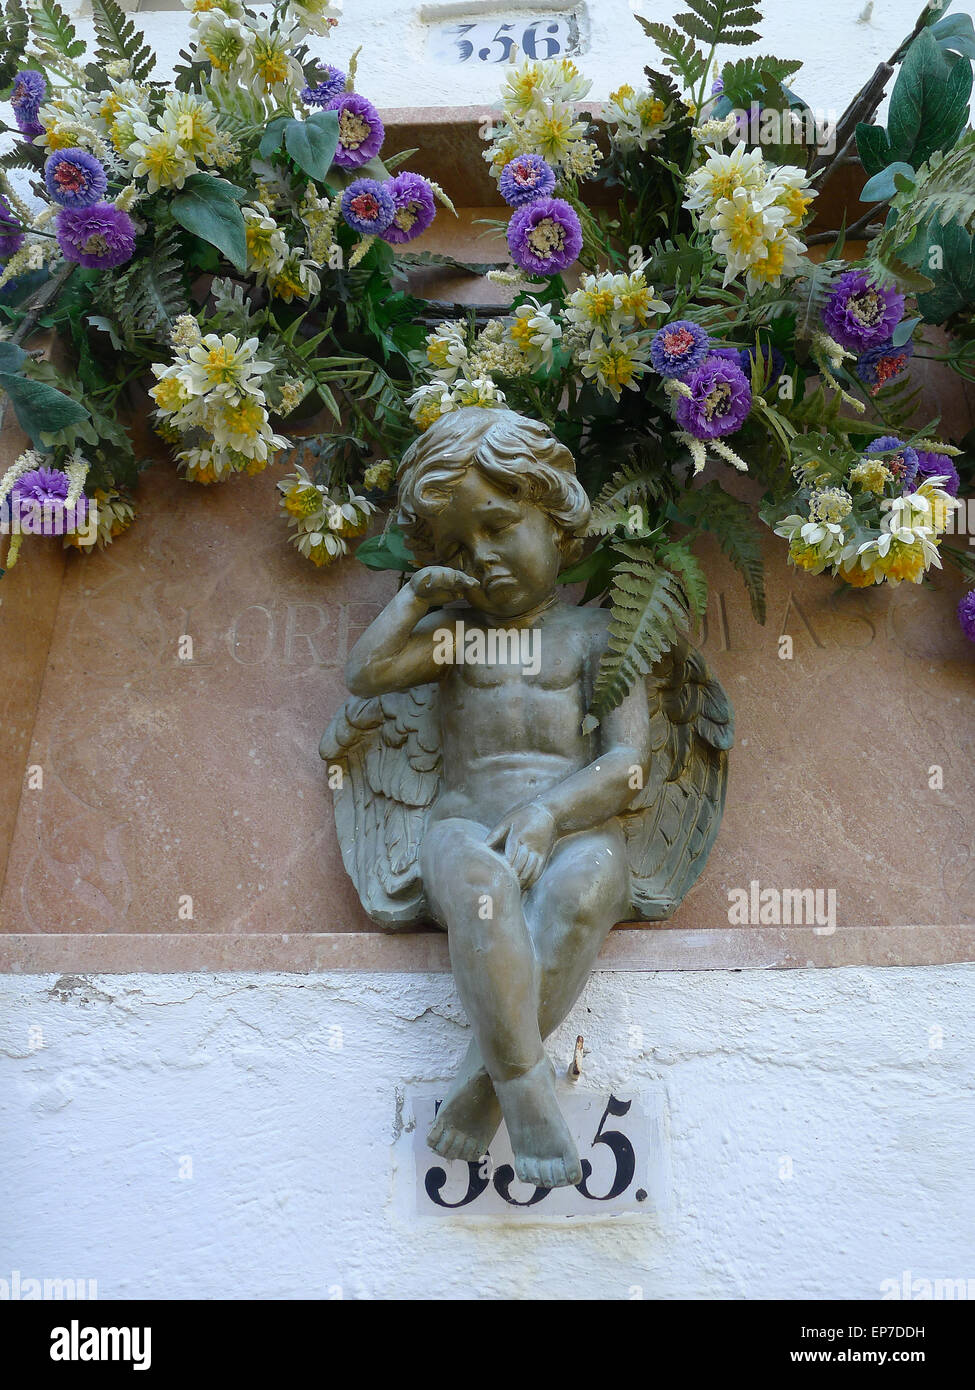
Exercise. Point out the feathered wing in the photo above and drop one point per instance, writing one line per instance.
(388, 750)
(672, 824)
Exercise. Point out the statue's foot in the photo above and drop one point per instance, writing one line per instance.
(544, 1151)
(468, 1120)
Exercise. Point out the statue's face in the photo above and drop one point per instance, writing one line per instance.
(510, 546)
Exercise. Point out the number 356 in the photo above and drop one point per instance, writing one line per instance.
(538, 40)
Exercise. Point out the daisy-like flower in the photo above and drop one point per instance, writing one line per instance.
(535, 333)
(317, 16)
(595, 304)
(780, 255)
(524, 178)
(719, 401)
(223, 39)
(270, 61)
(74, 178)
(813, 545)
(330, 84)
(428, 402)
(679, 347)
(367, 207)
(295, 278)
(243, 426)
(11, 236)
(544, 236)
(859, 314)
(193, 121)
(793, 192)
(224, 365)
(301, 498)
(160, 158)
(635, 302)
(640, 118)
(878, 365)
(871, 475)
(721, 175)
(480, 391)
(559, 135)
(414, 206)
(99, 237)
(616, 362)
(112, 513)
(267, 247)
(743, 225)
(447, 352)
(361, 131)
(348, 517)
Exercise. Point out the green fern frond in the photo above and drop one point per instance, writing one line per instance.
(678, 557)
(897, 402)
(744, 79)
(680, 54)
(942, 191)
(14, 33)
(810, 292)
(720, 21)
(649, 613)
(680, 260)
(631, 486)
(118, 38)
(53, 29)
(142, 302)
(730, 521)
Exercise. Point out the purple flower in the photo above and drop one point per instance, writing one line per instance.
(42, 485)
(367, 207)
(717, 86)
(361, 132)
(719, 402)
(861, 315)
(330, 85)
(28, 93)
(74, 178)
(966, 615)
(415, 209)
(11, 237)
(903, 464)
(878, 365)
(938, 466)
(99, 237)
(679, 347)
(525, 178)
(544, 236)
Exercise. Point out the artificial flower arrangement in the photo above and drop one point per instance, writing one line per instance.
(232, 232)
(681, 321)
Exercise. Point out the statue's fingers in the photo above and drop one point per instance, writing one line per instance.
(497, 836)
(519, 861)
(534, 870)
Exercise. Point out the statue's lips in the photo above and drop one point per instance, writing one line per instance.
(498, 581)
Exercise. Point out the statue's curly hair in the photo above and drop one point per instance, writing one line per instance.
(518, 455)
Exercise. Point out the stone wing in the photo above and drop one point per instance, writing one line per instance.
(672, 824)
(388, 750)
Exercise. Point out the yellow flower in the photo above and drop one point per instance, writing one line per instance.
(871, 475)
(903, 561)
(303, 500)
(271, 61)
(622, 94)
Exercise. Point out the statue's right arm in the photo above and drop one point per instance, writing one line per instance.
(396, 651)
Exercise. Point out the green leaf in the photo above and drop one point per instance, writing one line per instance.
(710, 508)
(14, 33)
(743, 79)
(273, 135)
(387, 551)
(39, 408)
(312, 143)
(881, 188)
(207, 207)
(873, 147)
(956, 32)
(118, 38)
(929, 103)
(649, 610)
(54, 29)
(11, 356)
(954, 283)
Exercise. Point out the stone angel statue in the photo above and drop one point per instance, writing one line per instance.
(471, 793)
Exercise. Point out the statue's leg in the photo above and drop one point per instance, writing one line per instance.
(475, 894)
(582, 894)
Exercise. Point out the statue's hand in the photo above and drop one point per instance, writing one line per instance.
(525, 837)
(440, 584)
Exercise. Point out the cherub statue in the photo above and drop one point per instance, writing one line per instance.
(470, 792)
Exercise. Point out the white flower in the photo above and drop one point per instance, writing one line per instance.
(446, 351)
(535, 333)
(743, 224)
(317, 16)
(720, 175)
(160, 158)
(224, 366)
(616, 362)
(193, 122)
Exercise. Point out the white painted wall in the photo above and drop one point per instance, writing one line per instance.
(840, 49)
(294, 1190)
